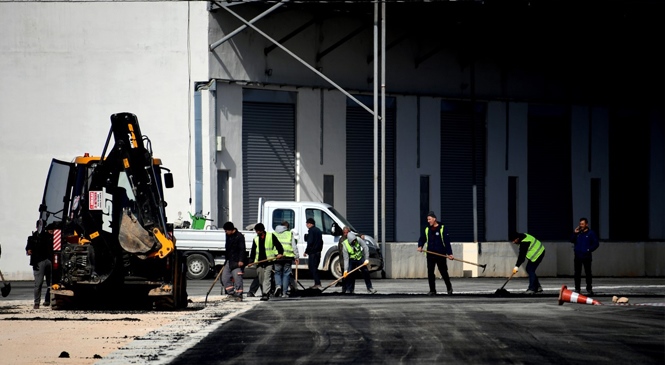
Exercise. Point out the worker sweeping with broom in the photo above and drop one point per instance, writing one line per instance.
(265, 250)
(356, 254)
(533, 251)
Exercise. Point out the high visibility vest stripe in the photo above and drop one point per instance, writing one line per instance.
(536, 248)
(427, 238)
(270, 249)
(285, 238)
(355, 251)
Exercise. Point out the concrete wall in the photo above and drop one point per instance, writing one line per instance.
(229, 109)
(65, 68)
(403, 261)
(498, 169)
(657, 176)
(590, 124)
(408, 171)
(321, 147)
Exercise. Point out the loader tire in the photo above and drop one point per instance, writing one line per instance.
(165, 303)
(62, 302)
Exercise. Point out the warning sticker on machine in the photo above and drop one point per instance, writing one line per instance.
(96, 200)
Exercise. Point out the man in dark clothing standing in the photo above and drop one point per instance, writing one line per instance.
(532, 250)
(435, 238)
(586, 242)
(235, 263)
(40, 250)
(267, 248)
(313, 251)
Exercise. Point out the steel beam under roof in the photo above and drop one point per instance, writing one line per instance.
(295, 32)
(379, 54)
(344, 39)
(320, 74)
(242, 27)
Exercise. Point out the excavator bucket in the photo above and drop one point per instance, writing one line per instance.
(133, 238)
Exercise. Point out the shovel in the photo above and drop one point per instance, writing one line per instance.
(213, 284)
(262, 261)
(456, 259)
(501, 290)
(6, 288)
(349, 273)
(297, 281)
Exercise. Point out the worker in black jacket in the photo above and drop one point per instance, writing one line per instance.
(40, 250)
(313, 250)
(235, 263)
(434, 241)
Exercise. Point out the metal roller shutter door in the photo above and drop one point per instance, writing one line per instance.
(268, 155)
(461, 136)
(550, 181)
(629, 165)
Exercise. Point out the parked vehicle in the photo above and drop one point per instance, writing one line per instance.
(204, 249)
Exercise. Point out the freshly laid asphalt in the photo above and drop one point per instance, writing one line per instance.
(402, 325)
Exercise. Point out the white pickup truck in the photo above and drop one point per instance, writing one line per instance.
(204, 249)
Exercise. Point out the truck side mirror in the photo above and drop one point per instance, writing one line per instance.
(336, 231)
(168, 180)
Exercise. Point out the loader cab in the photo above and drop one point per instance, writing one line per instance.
(67, 189)
(55, 202)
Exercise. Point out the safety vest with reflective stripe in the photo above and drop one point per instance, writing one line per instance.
(355, 250)
(427, 238)
(270, 249)
(286, 238)
(536, 248)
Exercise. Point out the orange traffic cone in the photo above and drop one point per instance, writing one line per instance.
(566, 295)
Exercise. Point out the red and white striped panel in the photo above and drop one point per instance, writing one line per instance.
(56, 240)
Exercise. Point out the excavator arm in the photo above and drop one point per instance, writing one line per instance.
(142, 226)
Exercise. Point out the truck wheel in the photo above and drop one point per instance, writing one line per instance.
(335, 268)
(198, 267)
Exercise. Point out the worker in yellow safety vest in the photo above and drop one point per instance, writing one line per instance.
(532, 250)
(283, 267)
(265, 250)
(356, 253)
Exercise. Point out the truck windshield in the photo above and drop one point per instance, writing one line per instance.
(343, 219)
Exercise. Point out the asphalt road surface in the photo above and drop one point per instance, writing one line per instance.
(473, 327)
(402, 325)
